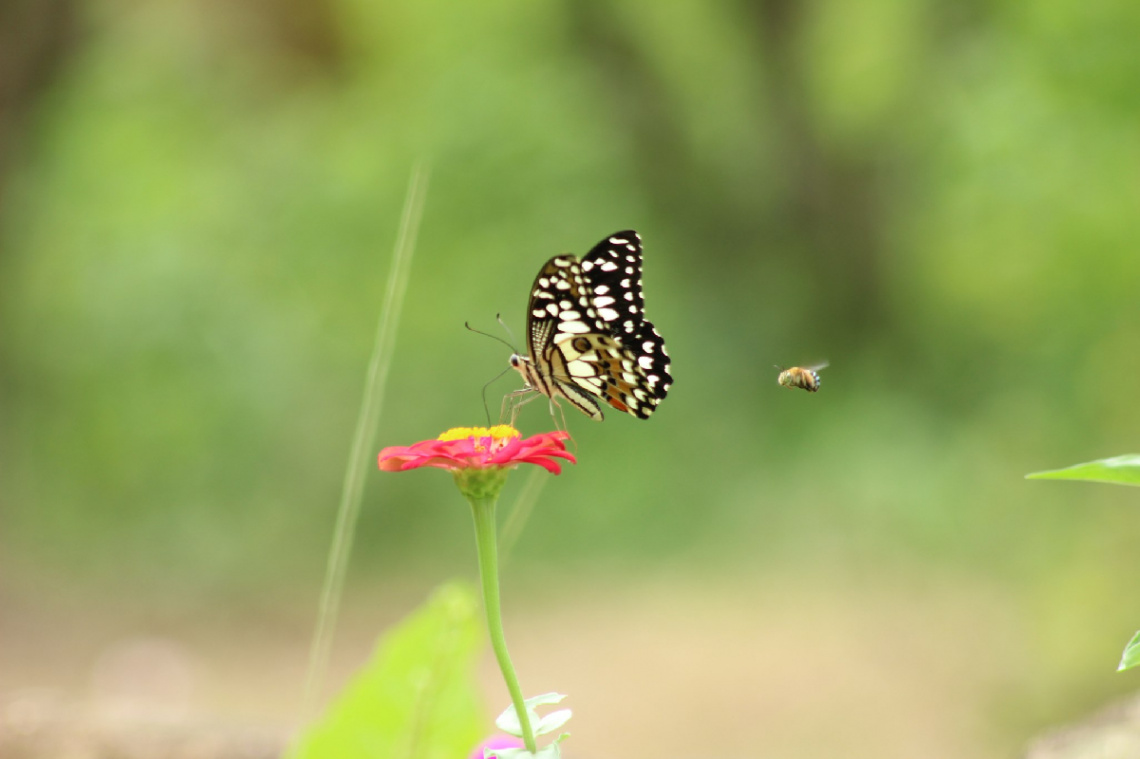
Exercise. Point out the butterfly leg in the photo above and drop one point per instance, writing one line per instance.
(513, 401)
(563, 427)
(561, 414)
(503, 407)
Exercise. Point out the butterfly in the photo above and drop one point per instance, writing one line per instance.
(801, 376)
(587, 337)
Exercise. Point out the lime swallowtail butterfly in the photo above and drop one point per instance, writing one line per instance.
(587, 336)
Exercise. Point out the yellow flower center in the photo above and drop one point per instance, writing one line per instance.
(497, 433)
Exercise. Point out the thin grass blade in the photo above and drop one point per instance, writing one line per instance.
(1122, 470)
(364, 439)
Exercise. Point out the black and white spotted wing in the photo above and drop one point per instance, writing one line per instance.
(585, 345)
(613, 271)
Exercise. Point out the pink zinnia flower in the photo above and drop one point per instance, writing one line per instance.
(479, 448)
(480, 457)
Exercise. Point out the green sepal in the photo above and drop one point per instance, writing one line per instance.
(481, 484)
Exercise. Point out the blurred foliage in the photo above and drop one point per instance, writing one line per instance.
(417, 697)
(939, 199)
(939, 202)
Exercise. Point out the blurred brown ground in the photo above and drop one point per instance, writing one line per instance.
(660, 669)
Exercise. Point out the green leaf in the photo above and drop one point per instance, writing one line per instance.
(417, 697)
(1123, 470)
(1131, 656)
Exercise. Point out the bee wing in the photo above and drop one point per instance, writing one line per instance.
(817, 367)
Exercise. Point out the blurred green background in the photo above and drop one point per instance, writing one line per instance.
(198, 202)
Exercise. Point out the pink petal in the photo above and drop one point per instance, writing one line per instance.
(469, 453)
(547, 464)
(506, 454)
(496, 741)
(434, 453)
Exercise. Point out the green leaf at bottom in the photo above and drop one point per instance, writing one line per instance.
(417, 697)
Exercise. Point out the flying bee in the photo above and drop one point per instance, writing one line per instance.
(801, 376)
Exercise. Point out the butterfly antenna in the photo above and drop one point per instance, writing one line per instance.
(493, 337)
(503, 324)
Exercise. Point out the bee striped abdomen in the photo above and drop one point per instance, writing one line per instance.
(806, 378)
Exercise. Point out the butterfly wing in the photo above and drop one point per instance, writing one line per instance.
(613, 271)
(599, 364)
(558, 304)
(587, 334)
(653, 360)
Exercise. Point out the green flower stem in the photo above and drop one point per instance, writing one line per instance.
(483, 510)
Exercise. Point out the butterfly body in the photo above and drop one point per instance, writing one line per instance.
(587, 337)
(802, 377)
